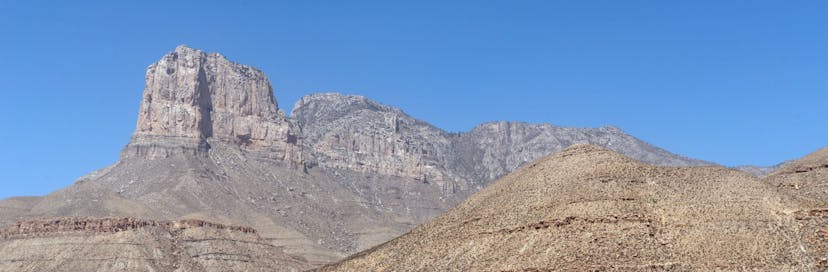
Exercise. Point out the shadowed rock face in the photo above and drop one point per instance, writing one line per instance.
(191, 96)
(128, 244)
(587, 208)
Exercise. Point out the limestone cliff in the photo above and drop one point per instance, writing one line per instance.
(355, 133)
(191, 96)
(352, 132)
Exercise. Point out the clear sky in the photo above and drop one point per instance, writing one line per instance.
(733, 82)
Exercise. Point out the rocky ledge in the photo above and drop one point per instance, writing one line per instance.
(46, 227)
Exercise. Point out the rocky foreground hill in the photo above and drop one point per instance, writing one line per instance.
(339, 175)
(590, 209)
(127, 244)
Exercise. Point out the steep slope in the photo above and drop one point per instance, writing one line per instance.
(310, 213)
(13, 209)
(806, 178)
(498, 148)
(588, 208)
(353, 132)
(126, 244)
(192, 96)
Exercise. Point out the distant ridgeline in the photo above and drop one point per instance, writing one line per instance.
(341, 174)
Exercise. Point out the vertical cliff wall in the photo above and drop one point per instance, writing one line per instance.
(191, 96)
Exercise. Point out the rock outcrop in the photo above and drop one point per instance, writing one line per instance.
(358, 134)
(588, 208)
(352, 132)
(191, 96)
(128, 244)
(211, 143)
(46, 227)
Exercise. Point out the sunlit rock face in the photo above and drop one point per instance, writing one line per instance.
(191, 96)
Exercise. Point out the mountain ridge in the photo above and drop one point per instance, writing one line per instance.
(329, 119)
(339, 175)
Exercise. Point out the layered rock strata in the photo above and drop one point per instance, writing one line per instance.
(355, 133)
(128, 244)
(358, 134)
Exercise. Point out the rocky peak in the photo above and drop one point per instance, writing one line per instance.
(327, 107)
(355, 133)
(191, 96)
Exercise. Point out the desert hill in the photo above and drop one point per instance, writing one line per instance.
(590, 209)
(806, 177)
(127, 244)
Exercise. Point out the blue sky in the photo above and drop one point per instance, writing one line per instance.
(734, 82)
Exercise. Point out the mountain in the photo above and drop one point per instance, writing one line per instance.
(192, 96)
(588, 208)
(340, 175)
(355, 133)
(127, 244)
(212, 144)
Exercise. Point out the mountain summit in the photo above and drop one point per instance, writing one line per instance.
(191, 96)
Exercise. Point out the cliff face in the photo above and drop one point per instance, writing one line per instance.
(355, 133)
(191, 96)
(211, 143)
